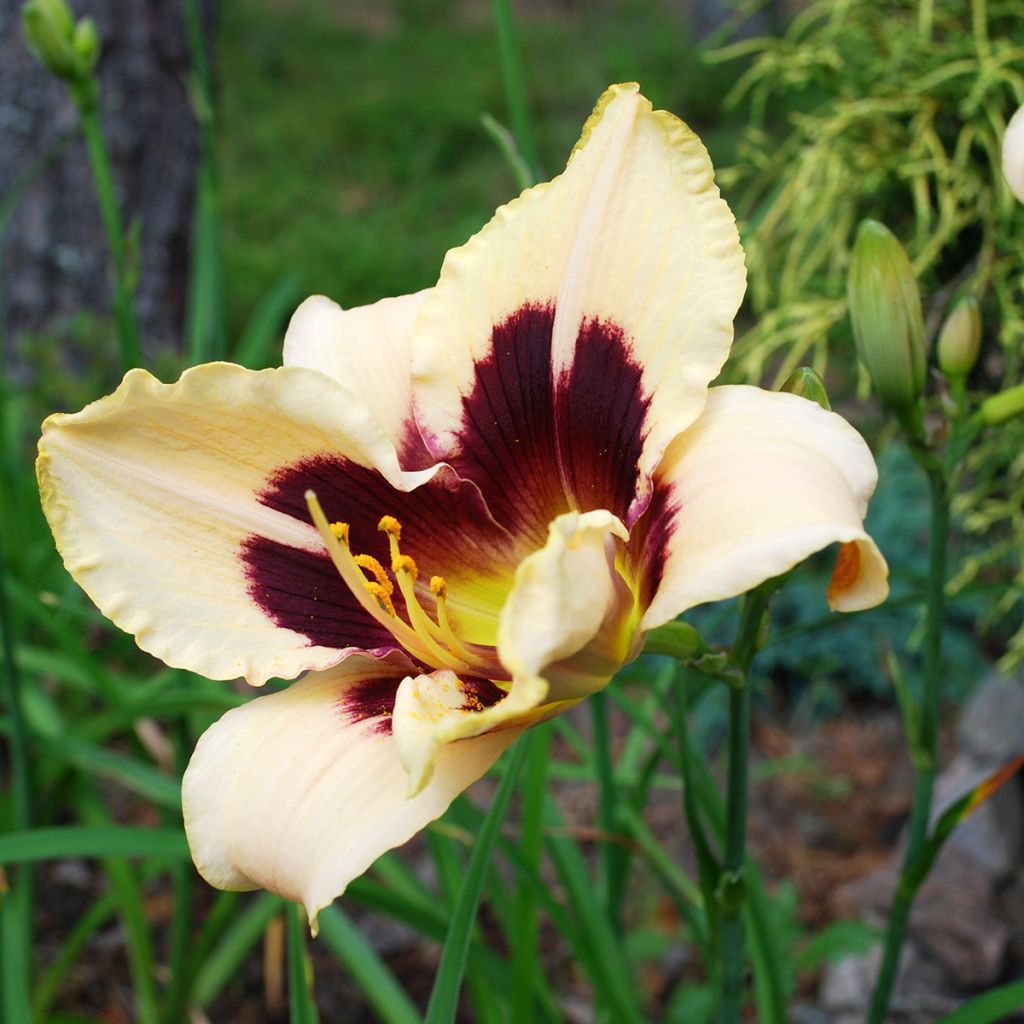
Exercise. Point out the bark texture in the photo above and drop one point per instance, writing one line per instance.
(54, 259)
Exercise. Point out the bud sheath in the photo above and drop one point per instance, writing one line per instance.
(885, 309)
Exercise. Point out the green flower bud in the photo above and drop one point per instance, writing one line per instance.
(58, 14)
(86, 44)
(803, 381)
(48, 28)
(1002, 407)
(885, 309)
(960, 338)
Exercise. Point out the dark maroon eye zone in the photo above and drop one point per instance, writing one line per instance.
(530, 448)
(538, 446)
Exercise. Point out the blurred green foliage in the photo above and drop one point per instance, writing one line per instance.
(893, 110)
(350, 140)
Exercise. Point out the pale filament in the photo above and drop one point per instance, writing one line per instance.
(421, 638)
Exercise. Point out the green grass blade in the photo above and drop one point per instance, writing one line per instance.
(301, 1004)
(526, 925)
(15, 962)
(450, 871)
(514, 81)
(444, 997)
(238, 938)
(259, 345)
(611, 979)
(36, 844)
(132, 912)
(134, 775)
(378, 984)
(506, 143)
(613, 857)
(47, 984)
(988, 1008)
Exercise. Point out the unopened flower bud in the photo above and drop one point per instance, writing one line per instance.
(86, 44)
(885, 309)
(803, 381)
(1002, 407)
(960, 338)
(1013, 154)
(48, 28)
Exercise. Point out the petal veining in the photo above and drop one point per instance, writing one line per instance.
(538, 446)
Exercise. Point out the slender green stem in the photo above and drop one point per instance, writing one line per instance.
(732, 885)
(925, 754)
(707, 866)
(925, 17)
(124, 311)
(515, 83)
(181, 878)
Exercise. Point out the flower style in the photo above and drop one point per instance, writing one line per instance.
(458, 512)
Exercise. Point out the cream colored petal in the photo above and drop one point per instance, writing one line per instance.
(760, 482)
(568, 619)
(438, 708)
(299, 792)
(633, 234)
(151, 491)
(366, 349)
(566, 627)
(1013, 154)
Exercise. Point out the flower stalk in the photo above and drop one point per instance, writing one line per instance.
(924, 739)
(71, 51)
(732, 885)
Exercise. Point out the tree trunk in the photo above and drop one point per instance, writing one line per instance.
(54, 259)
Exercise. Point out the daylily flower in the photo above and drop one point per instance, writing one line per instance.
(458, 512)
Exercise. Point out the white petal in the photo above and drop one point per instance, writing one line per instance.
(760, 482)
(300, 792)
(366, 349)
(568, 617)
(151, 492)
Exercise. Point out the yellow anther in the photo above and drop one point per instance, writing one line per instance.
(403, 563)
(391, 526)
(382, 596)
(438, 587)
(340, 530)
(371, 563)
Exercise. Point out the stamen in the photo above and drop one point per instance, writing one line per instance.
(383, 597)
(391, 526)
(358, 585)
(371, 563)
(403, 563)
(424, 639)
